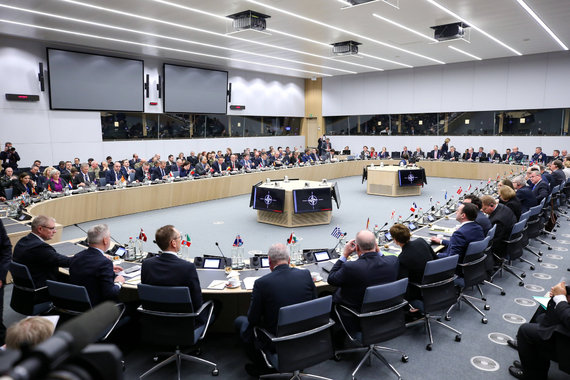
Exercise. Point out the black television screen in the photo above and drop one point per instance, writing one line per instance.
(190, 89)
(312, 200)
(80, 81)
(336, 194)
(268, 199)
(413, 177)
(252, 195)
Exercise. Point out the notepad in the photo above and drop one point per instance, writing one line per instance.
(248, 282)
(134, 280)
(543, 301)
(217, 285)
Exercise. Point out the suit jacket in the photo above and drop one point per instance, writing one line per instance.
(457, 244)
(453, 156)
(526, 198)
(540, 157)
(467, 156)
(496, 156)
(169, 270)
(353, 277)
(5, 253)
(156, 173)
(219, 169)
(140, 175)
(192, 159)
(482, 156)
(110, 177)
(247, 164)
(417, 154)
(80, 179)
(541, 190)
(432, 154)
(518, 156)
(51, 184)
(383, 154)
(284, 286)
(42, 260)
(504, 219)
(413, 258)
(515, 205)
(555, 318)
(19, 188)
(236, 165)
(91, 269)
(484, 222)
(558, 178)
(200, 169)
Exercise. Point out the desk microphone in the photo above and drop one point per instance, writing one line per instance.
(408, 218)
(224, 256)
(381, 228)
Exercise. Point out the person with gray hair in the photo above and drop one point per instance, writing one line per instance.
(524, 193)
(28, 333)
(283, 286)
(353, 277)
(42, 259)
(93, 270)
(84, 177)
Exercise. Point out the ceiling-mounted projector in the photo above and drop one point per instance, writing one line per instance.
(249, 20)
(345, 48)
(448, 32)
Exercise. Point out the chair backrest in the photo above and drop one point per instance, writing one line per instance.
(535, 210)
(172, 299)
(387, 324)
(491, 232)
(102, 181)
(473, 268)
(555, 189)
(67, 298)
(438, 289)
(525, 216)
(176, 173)
(476, 247)
(131, 177)
(517, 229)
(21, 276)
(306, 350)
(8, 191)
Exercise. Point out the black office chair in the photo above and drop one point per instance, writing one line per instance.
(381, 318)
(438, 293)
(513, 251)
(168, 319)
(72, 300)
(533, 229)
(474, 274)
(26, 299)
(525, 239)
(303, 339)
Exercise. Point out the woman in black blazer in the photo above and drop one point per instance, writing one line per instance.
(22, 185)
(508, 197)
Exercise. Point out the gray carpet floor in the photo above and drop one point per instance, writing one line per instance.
(222, 220)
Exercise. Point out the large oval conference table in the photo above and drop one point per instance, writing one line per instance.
(97, 205)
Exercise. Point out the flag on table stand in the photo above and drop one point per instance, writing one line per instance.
(337, 232)
(367, 223)
(123, 179)
(70, 185)
(469, 188)
(238, 242)
(170, 174)
(292, 239)
(393, 214)
(34, 191)
(414, 207)
(459, 191)
(142, 235)
(49, 187)
(187, 242)
(445, 196)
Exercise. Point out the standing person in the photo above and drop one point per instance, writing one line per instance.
(5, 255)
(9, 157)
(445, 146)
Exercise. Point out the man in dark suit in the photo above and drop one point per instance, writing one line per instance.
(9, 156)
(84, 178)
(353, 277)
(524, 194)
(413, 258)
(246, 163)
(468, 232)
(284, 286)
(558, 176)
(493, 156)
(481, 219)
(507, 155)
(143, 172)
(435, 153)
(470, 155)
(234, 164)
(113, 176)
(405, 151)
(167, 269)
(160, 172)
(41, 258)
(516, 155)
(540, 188)
(202, 168)
(5, 255)
(192, 158)
(418, 154)
(452, 155)
(502, 217)
(220, 166)
(539, 156)
(536, 341)
(134, 161)
(93, 270)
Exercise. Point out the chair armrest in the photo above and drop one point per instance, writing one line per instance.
(379, 312)
(434, 284)
(302, 334)
(514, 240)
(474, 262)
(206, 305)
(122, 308)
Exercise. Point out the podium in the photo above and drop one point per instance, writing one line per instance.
(385, 180)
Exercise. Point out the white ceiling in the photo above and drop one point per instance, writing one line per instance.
(505, 20)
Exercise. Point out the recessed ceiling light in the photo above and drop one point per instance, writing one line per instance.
(464, 52)
(343, 30)
(404, 27)
(170, 38)
(473, 26)
(210, 32)
(158, 47)
(541, 23)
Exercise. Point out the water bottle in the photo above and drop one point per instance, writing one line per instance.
(131, 250)
(138, 249)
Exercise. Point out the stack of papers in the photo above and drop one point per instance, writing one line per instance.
(217, 285)
(249, 281)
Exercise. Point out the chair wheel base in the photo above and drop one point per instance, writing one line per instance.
(405, 358)
(428, 347)
(540, 259)
(447, 318)
(550, 248)
(532, 267)
(523, 275)
(554, 238)
(539, 253)
(503, 293)
(487, 307)
(521, 283)
(336, 357)
(484, 321)
(215, 372)
(458, 338)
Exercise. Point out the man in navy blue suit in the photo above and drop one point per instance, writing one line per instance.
(539, 156)
(524, 194)
(540, 188)
(114, 176)
(220, 166)
(160, 172)
(502, 217)
(452, 155)
(468, 232)
(284, 286)
(92, 269)
(482, 219)
(167, 269)
(42, 260)
(353, 277)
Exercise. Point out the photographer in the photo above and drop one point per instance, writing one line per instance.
(9, 157)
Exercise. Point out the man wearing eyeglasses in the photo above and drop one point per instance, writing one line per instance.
(42, 259)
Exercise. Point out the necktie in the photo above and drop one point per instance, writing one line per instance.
(162, 172)
(116, 176)
(85, 176)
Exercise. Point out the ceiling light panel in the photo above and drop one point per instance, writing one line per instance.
(540, 22)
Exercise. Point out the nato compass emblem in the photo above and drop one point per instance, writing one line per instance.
(312, 200)
(411, 177)
(268, 199)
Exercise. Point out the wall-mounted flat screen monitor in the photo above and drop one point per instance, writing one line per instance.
(413, 177)
(194, 90)
(268, 199)
(312, 200)
(80, 81)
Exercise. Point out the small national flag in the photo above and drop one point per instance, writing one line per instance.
(498, 176)
(122, 178)
(336, 233)
(412, 209)
(170, 174)
(34, 191)
(489, 181)
(142, 235)
(460, 190)
(292, 239)
(430, 200)
(49, 187)
(367, 223)
(393, 214)
(469, 188)
(187, 242)
(238, 242)
(445, 197)
(70, 185)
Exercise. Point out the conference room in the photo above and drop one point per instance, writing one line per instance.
(104, 79)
